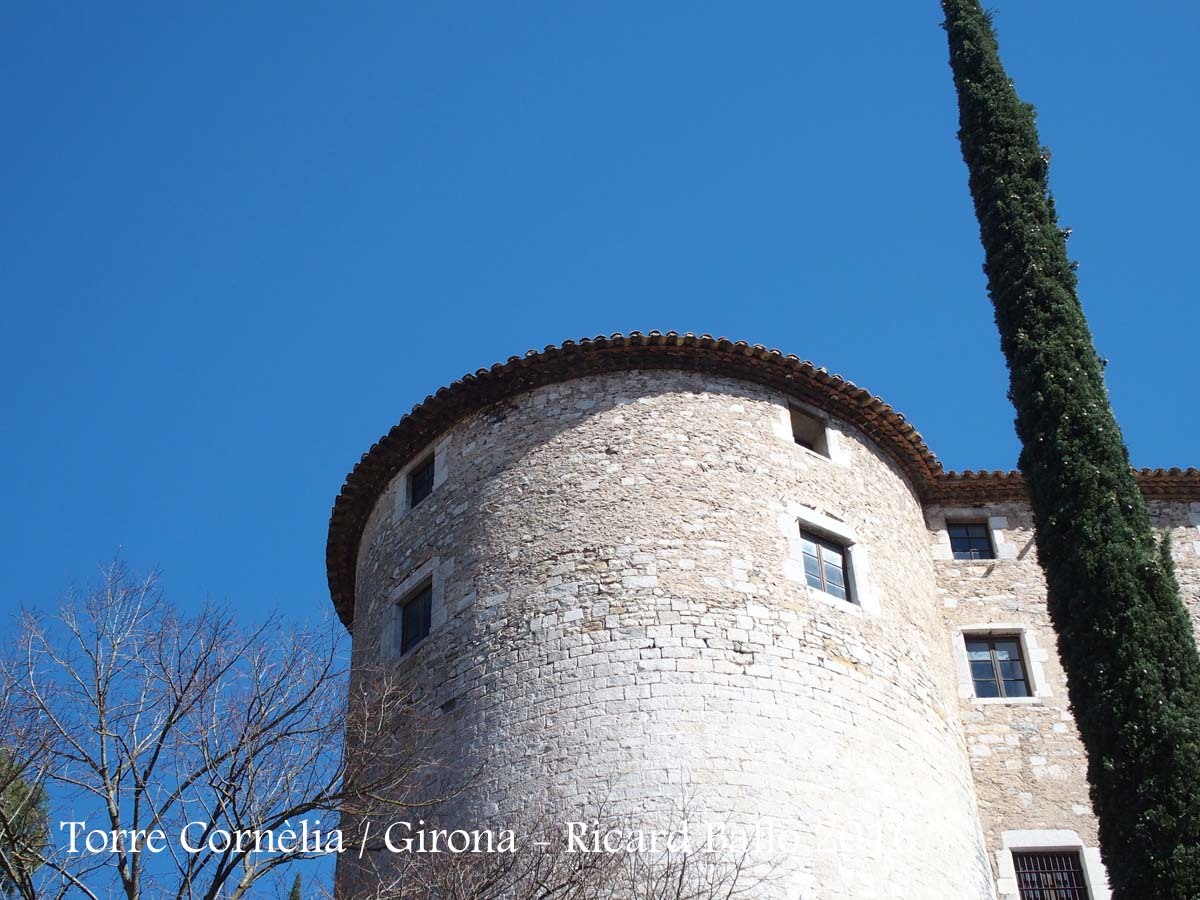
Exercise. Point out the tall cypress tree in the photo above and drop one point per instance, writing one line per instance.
(1133, 673)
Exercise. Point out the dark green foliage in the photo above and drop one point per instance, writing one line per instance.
(1126, 642)
(23, 812)
(294, 893)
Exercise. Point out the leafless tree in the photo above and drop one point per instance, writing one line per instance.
(138, 718)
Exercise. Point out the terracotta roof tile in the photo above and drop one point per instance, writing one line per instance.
(671, 350)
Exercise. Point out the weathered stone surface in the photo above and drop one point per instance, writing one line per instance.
(621, 617)
(640, 626)
(1029, 766)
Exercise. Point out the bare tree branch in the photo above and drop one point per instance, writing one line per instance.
(144, 719)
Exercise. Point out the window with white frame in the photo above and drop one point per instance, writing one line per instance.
(825, 565)
(997, 665)
(415, 609)
(826, 556)
(970, 540)
(1000, 662)
(966, 534)
(1049, 864)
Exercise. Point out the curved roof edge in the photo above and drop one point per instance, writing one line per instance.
(656, 350)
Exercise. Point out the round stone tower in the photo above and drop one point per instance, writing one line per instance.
(653, 571)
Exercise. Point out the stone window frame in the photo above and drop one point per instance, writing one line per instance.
(1194, 520)
(997, 525)
(952, 524)
(421, 601)
(863, 599)
(417, 475)
(834, 445)
(1095, 876)
(1033, 656)
(803, 421)
(829, 555)
(428, 574)
(440, 454)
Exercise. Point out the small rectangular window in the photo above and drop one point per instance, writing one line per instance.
(971, 540)
(415, 615)
(809, 432)
(420, 483)
(1050, 875)
(997, 668)
(825, 565)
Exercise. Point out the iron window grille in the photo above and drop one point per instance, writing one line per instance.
(971, 540)
(420, 483)
(825, 565)
(997, 666)
(415, 615)
(1050, 875)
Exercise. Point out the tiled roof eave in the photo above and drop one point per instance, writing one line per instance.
(657, 350)
(969, 486)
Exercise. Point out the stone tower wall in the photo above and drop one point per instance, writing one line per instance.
(1029, 764)
(619, 610)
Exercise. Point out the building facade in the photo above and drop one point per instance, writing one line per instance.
(658, 572)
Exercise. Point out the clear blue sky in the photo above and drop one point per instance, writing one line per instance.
(240, 243)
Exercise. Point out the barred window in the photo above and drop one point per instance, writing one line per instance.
(825, 565)
(971, 540)
(997, 668)
(1049, 875)
(420, 483)
(415, 614)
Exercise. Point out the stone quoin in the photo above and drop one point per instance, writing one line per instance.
(647, 570)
